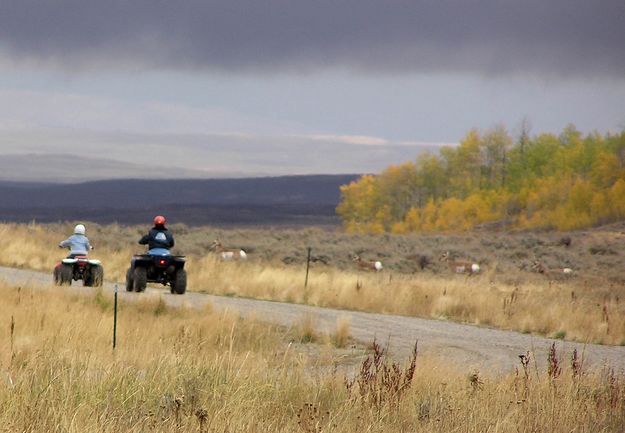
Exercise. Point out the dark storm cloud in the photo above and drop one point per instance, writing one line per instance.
(576, 37)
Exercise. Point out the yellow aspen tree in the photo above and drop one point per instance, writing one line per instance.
(617, 199)
(399, 228)
(429, 216)
(600, 209)
(451, 215)
(605, 169)
(412, 222)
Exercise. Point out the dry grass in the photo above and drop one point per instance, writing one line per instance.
(207, 371)
(590, 309)
(342, 333)
(306, 329)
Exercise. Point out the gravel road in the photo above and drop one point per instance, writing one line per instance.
(468, 347)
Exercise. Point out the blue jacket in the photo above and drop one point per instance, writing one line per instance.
(78, 244)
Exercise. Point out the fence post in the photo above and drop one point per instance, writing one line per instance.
(115, 319)
(307, 267)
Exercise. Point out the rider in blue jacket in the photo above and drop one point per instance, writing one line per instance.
(159, 240)
(77, 243)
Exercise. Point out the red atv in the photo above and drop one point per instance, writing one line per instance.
(79, 268)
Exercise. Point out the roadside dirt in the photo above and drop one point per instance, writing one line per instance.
(466, 347)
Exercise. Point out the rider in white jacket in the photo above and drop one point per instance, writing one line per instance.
(77, 243)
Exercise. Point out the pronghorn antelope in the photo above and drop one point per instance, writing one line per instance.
(367, 265)
(227, 254)
(539, 267)
(460, 266)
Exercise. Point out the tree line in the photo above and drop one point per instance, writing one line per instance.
(563, 182)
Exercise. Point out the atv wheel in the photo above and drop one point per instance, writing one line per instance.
(140, 278)
(129, 280)
(97, 275)
(179, 283)
(66, 273)
(57, 275)
(87, 279)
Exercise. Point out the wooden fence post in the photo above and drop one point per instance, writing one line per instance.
(115, 320)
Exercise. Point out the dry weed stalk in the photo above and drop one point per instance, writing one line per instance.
(612, 396)
(605, 317)
(12, 331)
(525, 362)
(616, 389)
(476, 382)
(577, 364)
(508, 302)
(178, 402)
(310, 419)
(381, 382)
(554, 369)
(202, 417)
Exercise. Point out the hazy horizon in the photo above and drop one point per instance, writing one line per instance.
(76, 156)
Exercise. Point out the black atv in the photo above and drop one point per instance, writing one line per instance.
(79, 268)
(165, 269)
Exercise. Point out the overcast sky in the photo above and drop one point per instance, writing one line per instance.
(397, 73)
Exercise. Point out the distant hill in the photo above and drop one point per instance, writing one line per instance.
(286, 200)
(64, 168)
(63, 155)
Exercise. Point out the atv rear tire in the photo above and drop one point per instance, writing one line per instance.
(66, 273)
(87, 279)
(179, 283)
(140, 278)
(129, 280)
(97, 276)
(57, 275)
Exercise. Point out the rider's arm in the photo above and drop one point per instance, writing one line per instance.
(64, 244)
(144, 240)
(171, 241)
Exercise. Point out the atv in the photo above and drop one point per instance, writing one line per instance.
(157, 268)
(79, 268)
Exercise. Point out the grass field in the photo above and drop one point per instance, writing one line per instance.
(588, 306)
(208, 371)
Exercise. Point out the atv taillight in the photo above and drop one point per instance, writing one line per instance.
(162, 261)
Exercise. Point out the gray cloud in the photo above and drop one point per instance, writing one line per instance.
(493, 37)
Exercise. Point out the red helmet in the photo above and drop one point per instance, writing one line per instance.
(159, 220)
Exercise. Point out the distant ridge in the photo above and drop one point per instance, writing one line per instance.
(63, 168)
(290, 200)
(62, 155)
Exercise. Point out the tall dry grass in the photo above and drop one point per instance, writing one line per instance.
(189, 370)
(530, 303)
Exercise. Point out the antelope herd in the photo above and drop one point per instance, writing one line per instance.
(455, 265)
